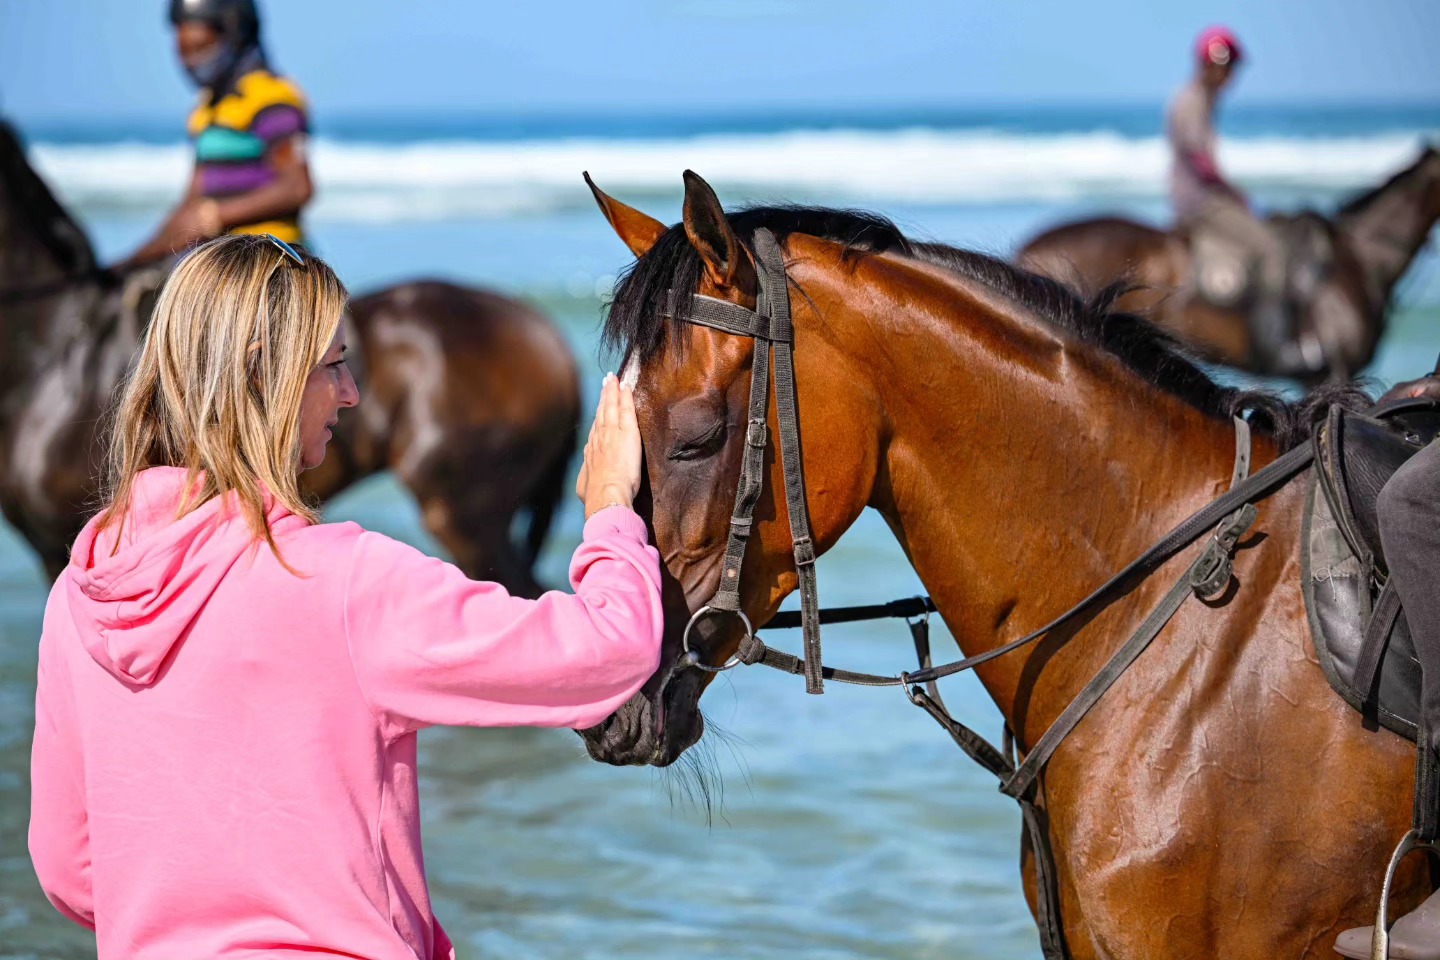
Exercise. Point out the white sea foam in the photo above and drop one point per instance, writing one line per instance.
(446, 180)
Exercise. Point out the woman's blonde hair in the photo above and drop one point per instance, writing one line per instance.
(217, 385)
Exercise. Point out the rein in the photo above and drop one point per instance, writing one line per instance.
(1227, 518)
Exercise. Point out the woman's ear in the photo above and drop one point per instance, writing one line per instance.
(638, 230)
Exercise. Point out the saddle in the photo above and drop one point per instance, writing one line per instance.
(1363, 643)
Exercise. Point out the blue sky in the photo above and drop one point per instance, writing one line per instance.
(79, 59)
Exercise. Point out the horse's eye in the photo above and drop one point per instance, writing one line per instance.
(702, 446)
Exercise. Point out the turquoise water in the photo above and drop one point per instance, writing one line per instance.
(841, 826)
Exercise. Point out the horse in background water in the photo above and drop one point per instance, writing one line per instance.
(471, 398)
(1022, 445)
(1342, 272)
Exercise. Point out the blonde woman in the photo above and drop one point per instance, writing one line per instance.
(229, 690)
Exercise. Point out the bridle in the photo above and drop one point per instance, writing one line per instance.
(1226, 519)
(769, 326)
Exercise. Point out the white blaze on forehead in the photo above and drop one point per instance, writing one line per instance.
(630, 376)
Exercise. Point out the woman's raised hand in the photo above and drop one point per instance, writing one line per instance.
(610, 475)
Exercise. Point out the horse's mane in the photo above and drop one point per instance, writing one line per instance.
(1362, 200)
(50, 222)
(634, 324)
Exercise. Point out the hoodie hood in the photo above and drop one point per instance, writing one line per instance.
(131, 605)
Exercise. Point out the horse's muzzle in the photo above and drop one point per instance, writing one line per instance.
(654, 727)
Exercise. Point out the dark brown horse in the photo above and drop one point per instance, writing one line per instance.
(1221, 801)
(470, 397)
(1343, 271)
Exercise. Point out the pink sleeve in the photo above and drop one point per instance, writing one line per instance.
(431, 646)
(59, 827)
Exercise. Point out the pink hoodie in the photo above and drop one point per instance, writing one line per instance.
(224, 757)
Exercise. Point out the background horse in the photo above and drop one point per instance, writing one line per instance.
(1220, 801)
(1342, 271)
(470, 397)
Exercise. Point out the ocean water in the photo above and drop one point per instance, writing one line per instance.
(841, 826)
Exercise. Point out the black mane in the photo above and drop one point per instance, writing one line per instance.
(50, 222)
(634, 323)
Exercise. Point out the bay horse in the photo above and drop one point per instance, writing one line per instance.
(1343, 272)
(471, 398)
(1022, 445)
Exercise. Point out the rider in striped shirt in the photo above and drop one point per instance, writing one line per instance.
(249, 129)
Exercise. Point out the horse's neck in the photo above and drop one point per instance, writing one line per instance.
(1391, 227)
(1022, 469)
(41, 246)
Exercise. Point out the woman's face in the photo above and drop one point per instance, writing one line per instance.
(329, 388)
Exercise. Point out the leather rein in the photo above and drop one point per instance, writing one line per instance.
(1226, 519)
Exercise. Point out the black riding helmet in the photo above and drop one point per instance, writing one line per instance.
(238, 21)
(238, 24)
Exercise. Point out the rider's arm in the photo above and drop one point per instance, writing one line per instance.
(1426, 386)
(169, 239)
(1202, 163)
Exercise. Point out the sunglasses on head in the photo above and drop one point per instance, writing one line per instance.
(285, 248)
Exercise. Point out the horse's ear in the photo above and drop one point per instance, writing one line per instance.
(710, 232)
(638, 230)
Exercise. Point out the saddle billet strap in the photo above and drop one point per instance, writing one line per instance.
(1372, 648)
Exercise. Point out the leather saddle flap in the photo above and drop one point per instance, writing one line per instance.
(1341, 557)
(1358, 453)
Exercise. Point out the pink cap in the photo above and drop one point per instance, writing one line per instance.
(1217, 45)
